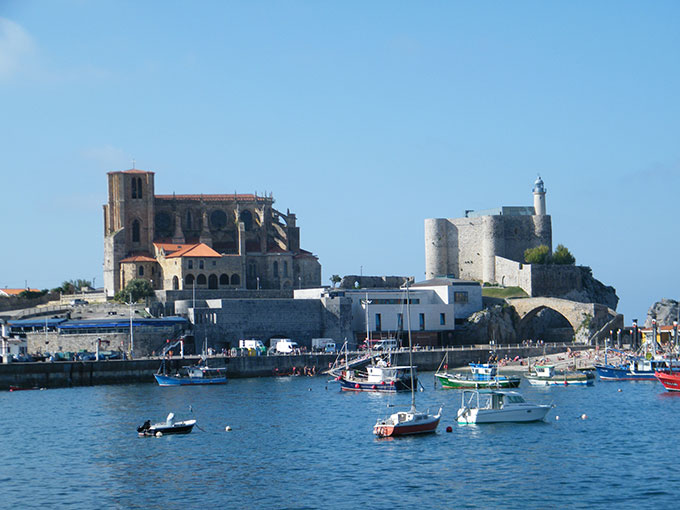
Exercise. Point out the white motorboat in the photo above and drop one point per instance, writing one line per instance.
(495, 406)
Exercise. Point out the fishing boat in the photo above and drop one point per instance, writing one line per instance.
(669, 379)
(411, 422)
(481, 376)
(636, 367)
(169, 426)
(195, 374)
(380, 376)
(200, 373)
(546, 375)
(497, 406)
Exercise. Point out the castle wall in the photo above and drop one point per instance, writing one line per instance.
(467, 248)
(555, 280)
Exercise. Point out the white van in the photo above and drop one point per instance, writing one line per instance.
(285, 346)
(252, 344)
(386, 344)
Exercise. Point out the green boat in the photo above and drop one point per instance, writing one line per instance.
(482, 376)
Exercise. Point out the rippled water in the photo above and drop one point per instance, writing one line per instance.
(300, 443)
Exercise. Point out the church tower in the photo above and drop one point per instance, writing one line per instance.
(539, 197)
(128, 221)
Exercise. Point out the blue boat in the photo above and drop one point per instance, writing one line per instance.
(196, 374)
(635, 368)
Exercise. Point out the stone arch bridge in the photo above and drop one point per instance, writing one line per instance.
(591, 322)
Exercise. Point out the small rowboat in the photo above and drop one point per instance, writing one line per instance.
(169, 426)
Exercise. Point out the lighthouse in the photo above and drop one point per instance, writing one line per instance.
(539, 197)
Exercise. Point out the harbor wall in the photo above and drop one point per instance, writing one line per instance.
(89, 373)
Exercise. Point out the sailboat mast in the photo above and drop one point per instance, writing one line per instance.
(410, 347)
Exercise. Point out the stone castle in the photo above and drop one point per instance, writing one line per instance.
(176, 242)
(477, 246)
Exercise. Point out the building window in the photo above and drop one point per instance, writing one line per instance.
(200, 264)
(442, 319)
(421, 320)
(224, 279)
(276, 269)
(139, 187)
(175, 283)
(400, 321)
(201, 279)
(190, 264)
(134, 188)
(285, 268)
(135, 231)
(214, 263)
(460, 297)
(188, 220)
(212, 281)
(235, 279)
(378, 322)
(140, 271)
(188, 280)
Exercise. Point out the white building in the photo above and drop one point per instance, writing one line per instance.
(435, 307)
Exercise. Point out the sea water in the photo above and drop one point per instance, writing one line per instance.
(298, 442)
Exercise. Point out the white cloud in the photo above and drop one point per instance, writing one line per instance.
(16, 48)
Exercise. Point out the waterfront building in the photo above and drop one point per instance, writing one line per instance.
(206, 241)
(436, 306)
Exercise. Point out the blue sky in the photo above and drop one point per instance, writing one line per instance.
(364, 118)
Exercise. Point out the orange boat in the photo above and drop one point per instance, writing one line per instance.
(670, 380)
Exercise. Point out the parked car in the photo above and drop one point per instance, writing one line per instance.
(76, 302)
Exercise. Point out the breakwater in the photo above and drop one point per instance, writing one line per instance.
(90, 373)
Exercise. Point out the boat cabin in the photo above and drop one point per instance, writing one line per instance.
(481, 399)
(544, 370)
(482, 371)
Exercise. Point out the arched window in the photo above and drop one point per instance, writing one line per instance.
(252, 270)
(247, 219)
(134, 188)
(139, 187)
(175, 283)
(224, 279)
(135, 231)
(188, 220)
(212, 281)
(188, 280)
(276, 269)
(235, 279)
(200, 279)
(140, 270)
(285, 268)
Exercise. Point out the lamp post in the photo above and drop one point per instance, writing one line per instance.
(132, 336)
(258, 282)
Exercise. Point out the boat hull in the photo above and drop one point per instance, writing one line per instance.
(407, 429)
(449, 381)
(172, 380)
(184, 427)
(572, 379)
(612, 373)
(383, 387)
(519, 415)
(670, 381)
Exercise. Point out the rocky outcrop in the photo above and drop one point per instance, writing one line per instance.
(664, 311)
(496, 323)
(592, 290)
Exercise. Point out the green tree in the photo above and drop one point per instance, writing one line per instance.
(538, 255)
(72, 286)
(563, 256)
(135, 290)
(335, 279)
(31, 294)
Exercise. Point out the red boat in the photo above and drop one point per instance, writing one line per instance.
(670, 380)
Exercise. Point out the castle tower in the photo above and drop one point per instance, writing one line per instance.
(539, 197)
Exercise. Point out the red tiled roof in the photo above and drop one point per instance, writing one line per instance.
(195, 250)
(139, 258)
(172, 247)
(215, 198)
(305, 254)
(16, 292)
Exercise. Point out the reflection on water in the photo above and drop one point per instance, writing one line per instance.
(299, 442)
